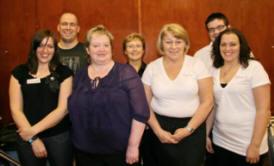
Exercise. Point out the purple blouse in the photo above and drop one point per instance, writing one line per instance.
(101, 116)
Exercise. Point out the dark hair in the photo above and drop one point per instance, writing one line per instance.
(214, 16)
(38, 37)
(245, 50)
(131, 37)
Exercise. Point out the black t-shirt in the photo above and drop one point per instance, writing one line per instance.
(40, 96)
(74, 58)
(142, 69)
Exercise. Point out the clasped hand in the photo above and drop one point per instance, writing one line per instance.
(38, 146)
(26, 133)
(167, 137)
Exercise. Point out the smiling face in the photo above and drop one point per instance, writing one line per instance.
(230, 47)
(174, 48)
(215, 27)
(134, 50)
(45, 50)
(68, 28)
(99, 49)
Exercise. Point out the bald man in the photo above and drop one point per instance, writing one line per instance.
(72, 52)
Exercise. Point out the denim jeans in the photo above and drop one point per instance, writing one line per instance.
(59, 150)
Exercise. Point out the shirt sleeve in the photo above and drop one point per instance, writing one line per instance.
(259, 76)
(147, 75)
(64, 72)
(201, 70)
(19, 72)
(136, 93)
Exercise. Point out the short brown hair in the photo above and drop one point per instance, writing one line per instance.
(131, 37)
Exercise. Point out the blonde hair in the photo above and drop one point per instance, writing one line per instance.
(175, 29)
(99, 29)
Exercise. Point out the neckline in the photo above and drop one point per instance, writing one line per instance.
(100, 78)
(165, 72)
(40, 77)
(141, 67)
(61, 48)
(224, 74)
(223, 85)
(229, 82)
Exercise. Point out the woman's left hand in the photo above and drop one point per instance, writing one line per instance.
(132, 154)
(26, 133)
(252, 154)
(181, 133)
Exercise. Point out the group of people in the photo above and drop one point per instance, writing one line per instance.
(72, 100)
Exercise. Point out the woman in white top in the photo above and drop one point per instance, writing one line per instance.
(179, 91)
(242, 103)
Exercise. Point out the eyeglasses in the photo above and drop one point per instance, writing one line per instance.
(219, 28)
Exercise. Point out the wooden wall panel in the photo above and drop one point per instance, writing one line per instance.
(17, 23)
(120, 17)
(253, 17)
(19, 19)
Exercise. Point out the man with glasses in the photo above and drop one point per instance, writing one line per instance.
(215, 24)
(72, 52)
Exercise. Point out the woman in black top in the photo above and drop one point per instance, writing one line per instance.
(134, 48)
(38, 101)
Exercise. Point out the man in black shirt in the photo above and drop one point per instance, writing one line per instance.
(72, 52)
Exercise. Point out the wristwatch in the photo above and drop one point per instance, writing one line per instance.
(190, 129)
(32, 139)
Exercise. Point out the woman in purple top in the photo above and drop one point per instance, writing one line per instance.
(108, 107)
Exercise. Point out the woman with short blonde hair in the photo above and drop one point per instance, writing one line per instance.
(108, 108)
(179, 90)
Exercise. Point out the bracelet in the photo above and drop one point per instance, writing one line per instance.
(32, 139)
(190, 129)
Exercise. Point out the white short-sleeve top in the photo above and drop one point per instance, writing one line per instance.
(235, 108)
(178, 97)
(204, 54)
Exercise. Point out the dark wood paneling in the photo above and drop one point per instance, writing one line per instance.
(19, 19)
(120, 17)
(253, 17)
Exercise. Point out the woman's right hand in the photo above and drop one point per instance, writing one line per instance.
(209, 147)
(166, 137)
(132, 154)
(26, 133)
(39, 148)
